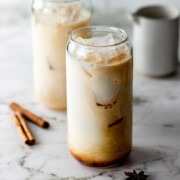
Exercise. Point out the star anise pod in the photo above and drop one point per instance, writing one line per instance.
(136, 176)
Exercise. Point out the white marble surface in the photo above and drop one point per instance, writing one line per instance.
(156, 132)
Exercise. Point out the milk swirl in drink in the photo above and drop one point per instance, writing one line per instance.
(99, 95)
(52, 22)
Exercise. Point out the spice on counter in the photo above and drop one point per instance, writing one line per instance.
(136, 176)
(23, 129)
(30, 116)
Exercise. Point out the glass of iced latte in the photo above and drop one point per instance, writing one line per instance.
(52, 22)
(99, 68)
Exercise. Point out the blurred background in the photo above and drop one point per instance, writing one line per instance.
(105, 12)
(14, 11)
(15, 34)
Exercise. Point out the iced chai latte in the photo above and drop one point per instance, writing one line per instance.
(99, 95)
(51, 26)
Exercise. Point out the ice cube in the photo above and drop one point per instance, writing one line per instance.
(81, 40)
(68, 13)
(123, 49)
(82, 52)
(88, 42)
(100, 55)
(75, 13)
(94, 57)
(106, 54)
(104, 41)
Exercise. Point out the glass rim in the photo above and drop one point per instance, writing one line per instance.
(109, 29)
(64, 2)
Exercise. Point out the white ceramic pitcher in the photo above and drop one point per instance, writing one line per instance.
(155, 40)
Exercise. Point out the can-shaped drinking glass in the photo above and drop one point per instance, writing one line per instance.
(99, 65)
(52, 22)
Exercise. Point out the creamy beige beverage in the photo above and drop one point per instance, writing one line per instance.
(99, 96)
(51, 28)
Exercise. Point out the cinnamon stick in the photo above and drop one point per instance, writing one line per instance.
(26, 128)
(29, 115)
(23, 129)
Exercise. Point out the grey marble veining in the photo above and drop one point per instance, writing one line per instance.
(156, 132)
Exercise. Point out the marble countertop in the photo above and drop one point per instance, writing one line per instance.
(156, 127)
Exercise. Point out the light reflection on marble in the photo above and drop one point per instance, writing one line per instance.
(156, 133)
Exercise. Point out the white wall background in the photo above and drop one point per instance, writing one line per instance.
(106, 12)
(131, 5)
(102, 5)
